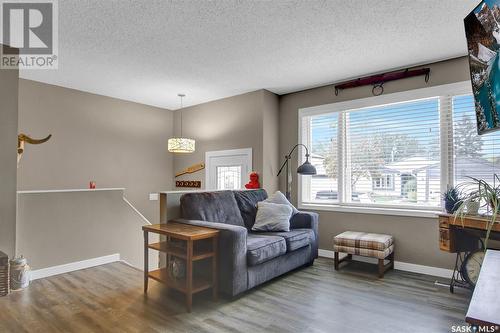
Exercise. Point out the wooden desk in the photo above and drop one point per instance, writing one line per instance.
(189, 253)
(484, 307)
(455, 233)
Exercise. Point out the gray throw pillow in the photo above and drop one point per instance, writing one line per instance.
(279, 198)
(272, 217)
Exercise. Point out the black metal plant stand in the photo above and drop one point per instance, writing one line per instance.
(457, 279)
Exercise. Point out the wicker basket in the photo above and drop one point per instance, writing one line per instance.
(4, 274)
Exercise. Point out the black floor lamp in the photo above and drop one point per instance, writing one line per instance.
(305, 169)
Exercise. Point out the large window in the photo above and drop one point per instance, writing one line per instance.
(473, 155)
(396, 151)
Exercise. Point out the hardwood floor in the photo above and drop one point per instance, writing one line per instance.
(110, 298)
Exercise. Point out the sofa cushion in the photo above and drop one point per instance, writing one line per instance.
(262, 248)
(365, 240)
(247, 203)
(218, 206)
(280, 198)
(272, 217)
(296, 238)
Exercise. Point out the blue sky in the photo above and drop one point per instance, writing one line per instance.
(490, 4)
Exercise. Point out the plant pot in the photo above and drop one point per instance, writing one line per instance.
(472, 208)
(451, 206)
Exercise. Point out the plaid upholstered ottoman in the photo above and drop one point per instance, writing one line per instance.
(378, 246)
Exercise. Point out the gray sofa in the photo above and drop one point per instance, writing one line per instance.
(246, 258)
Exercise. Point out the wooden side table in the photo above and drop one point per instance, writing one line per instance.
(188, 236)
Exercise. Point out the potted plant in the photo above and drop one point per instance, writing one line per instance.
(487, 194)
(452, 199)
(473, 206)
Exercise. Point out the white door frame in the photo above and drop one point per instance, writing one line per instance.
(247, 152)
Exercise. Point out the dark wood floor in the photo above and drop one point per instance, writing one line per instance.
(109, 298)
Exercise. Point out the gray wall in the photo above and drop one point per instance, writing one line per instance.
(417, 238)
(8, 157)
(60, 228)
(270, 142)
(113, 142)
(232, 123)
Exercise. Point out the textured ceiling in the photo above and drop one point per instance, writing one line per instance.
(148, 51)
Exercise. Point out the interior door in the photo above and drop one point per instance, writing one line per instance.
(227, 169)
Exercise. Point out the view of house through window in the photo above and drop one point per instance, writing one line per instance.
(473, 155)
(391, 155)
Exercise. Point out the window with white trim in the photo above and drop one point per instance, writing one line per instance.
(473, 155)
(398, 151)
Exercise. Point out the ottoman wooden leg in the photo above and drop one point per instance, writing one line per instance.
(336, 261)
(381, 268)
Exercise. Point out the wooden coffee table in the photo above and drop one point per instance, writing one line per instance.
(181, 242)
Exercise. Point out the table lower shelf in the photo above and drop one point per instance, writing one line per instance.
(162, 275)
(198, 253)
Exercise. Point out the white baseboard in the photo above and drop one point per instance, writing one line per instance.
(73, 266)
(402, 266)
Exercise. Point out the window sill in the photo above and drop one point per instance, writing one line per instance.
(372, 210)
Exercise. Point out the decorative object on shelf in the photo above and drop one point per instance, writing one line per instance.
(181, 144)
(483, 50)
(254, 181)
(487, 194)
(377, 81)
(92, 185)
(306, 169)
(191, 169)
(472, 207)
(177, 269)
(19, 273)
(22, 138)
(4, 274)
(188, 183)
(452, 199)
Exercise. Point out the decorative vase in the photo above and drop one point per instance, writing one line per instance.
(472, 207)
(177, 269)
(19, 273)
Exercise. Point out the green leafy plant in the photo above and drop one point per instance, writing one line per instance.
(452, 199)
(488, 196)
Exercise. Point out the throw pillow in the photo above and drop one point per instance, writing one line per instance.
(272, 217)
(279, 198)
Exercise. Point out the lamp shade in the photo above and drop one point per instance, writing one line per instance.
(181, 145)
(306, 168)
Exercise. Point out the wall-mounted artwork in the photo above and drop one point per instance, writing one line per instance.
(482, 30)
(188, 183)
(192, 169)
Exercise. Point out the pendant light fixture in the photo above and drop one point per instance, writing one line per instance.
(181, 144)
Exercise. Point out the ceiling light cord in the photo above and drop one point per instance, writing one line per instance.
(181, 97)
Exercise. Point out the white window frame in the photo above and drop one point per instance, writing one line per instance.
(443, 92)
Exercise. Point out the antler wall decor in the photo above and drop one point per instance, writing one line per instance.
(22, 138)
